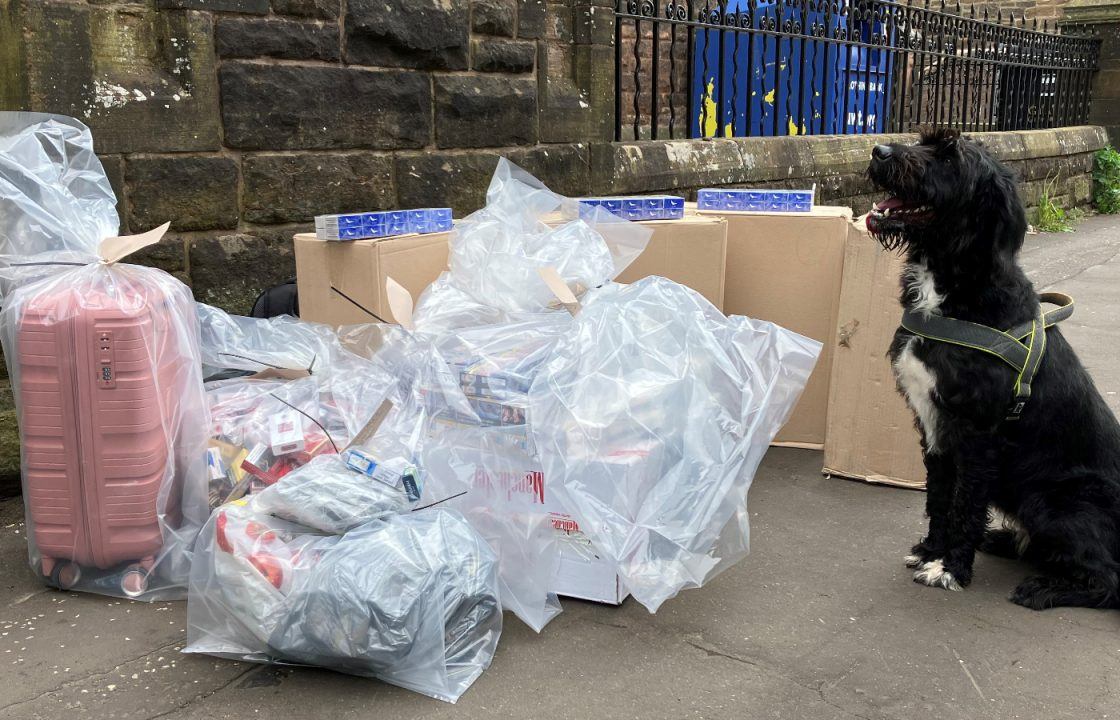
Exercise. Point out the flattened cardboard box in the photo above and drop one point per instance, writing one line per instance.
(871, 434)
(787, 268)
(343, 283)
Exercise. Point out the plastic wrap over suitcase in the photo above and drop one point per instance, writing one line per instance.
(95, 439)
(106, 373)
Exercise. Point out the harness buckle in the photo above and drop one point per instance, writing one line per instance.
(1016, 409)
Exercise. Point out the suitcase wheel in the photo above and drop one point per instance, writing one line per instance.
(134, 581)
(65, 575)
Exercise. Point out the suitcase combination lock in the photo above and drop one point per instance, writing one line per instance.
(106, 373)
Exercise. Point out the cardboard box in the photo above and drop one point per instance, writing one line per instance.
(583, 574)
(343, 283)
(691, 251)
(871, 434)
(787, 268)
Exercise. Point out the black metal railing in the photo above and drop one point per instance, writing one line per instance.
(735, 68)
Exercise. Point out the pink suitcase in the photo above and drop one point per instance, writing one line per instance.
(96, 450)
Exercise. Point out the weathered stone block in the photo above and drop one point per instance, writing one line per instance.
(593, 73)
(510, 56)
(593, 25)
(294, 188)
(493, 17)
(169, 255)
(485, 111)
(194, 193)
(250, 7)
(142, 80)
(13, 58)
(532, 18)
(230, 271)
(620, 168)
(428, 34)
(255, 37)
(576, 85)
(459, 180)
(320, 9)
(114, 171)
(565, 169)
(285, 107)
(558, 24)
(1080, 190)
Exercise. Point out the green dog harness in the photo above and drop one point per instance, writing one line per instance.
(1021, 347)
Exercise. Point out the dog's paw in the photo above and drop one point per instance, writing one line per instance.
(934, 574)
(1038, 593)
(920, 554)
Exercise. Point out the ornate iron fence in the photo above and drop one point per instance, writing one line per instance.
(738, 68)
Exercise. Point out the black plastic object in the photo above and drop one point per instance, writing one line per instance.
(280, 300)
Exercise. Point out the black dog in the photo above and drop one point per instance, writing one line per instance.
(1055, 472)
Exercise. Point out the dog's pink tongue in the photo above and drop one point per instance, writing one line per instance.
(889, 204)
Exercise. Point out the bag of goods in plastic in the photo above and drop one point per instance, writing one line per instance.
(474, 389)
(105, 367)
(650, 418)
(497, 251)
(323, 569)
(482, 330)
(281, 417)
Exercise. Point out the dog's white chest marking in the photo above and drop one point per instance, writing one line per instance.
(915, 379)
(921, 290)
(918, 383)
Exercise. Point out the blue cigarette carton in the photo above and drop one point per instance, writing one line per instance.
(720, 199)
(637, 207)
(390, 223)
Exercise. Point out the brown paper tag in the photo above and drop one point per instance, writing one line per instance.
(400, 303)
(114, 249)
(560, 289)
(370, 428)
(280, 374)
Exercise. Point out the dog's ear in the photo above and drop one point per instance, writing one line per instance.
(948, 142)
(1005, 217)
(939, 135)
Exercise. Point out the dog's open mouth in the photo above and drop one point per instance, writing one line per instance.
(901, 210)
(888, 218)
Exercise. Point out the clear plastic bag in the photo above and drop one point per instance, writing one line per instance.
(268, 424)
(54, 195)
(496, 254)
(473, 389)
(256, 344)
(104, 364)
(650, 418)
(410, 599)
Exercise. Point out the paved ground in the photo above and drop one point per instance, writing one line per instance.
(822, 621)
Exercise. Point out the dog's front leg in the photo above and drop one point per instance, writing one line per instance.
(941, 477)
(976, 463)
